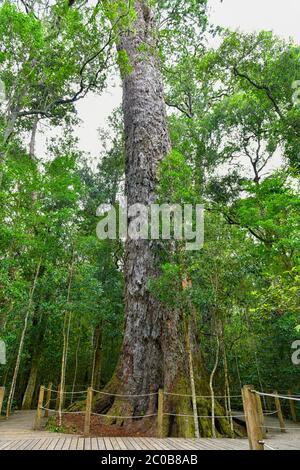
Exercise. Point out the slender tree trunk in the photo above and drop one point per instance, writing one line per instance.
(33, 137)
(22, 339)
(238, 371)
(211, 386)
(260, 381)
(192, 379)
(97, 356)
(35, 361)
(226, 380)
(75, 368)
(66, 335)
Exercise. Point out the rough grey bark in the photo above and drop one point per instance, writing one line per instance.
(146, 144)
(153, 345)
(153, 354)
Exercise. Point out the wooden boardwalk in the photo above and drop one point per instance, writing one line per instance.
(16, 434)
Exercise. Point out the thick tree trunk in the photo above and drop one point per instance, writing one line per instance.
(146, 143)
(153, 354)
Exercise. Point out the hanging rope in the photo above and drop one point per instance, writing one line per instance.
(124, 395)
(201, 396)
(274, 395)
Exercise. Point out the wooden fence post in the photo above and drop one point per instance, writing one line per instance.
(160, 414)
(2, 392)
(254, 429)
(292, 407)
(37, 423)
(279, 412)
(88, 411)
(48, 400)
(261, 415)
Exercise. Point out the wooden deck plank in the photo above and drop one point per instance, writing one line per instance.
(22, 444)
(108, 444)
(146, 444)
(87, 444)
(212, 445)
(60, 443)
(229, 444)
(94, 443)
(45, 444)
(101, 443)
(115, 444)
(73, 443)
(134, 442)
(53, 443)
(222, 445)
(140, 443)
(40, 444)
(156, 444)
(199, 444)
(14, 445)
(127, 442)
(121, 443)
(30, 444)
(279, 442)
(65, 445)
(183, 444)
(33, 443)
(4, 445)
(80, 443)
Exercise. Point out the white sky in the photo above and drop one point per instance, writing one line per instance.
(281, 16)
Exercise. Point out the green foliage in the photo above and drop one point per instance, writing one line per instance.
(232, 117)
(176, 180)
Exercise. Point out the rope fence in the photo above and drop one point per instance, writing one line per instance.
(202, 396)
(276, 395)
(253, 412)
(203, 416)
(124, 395)
(126, 417)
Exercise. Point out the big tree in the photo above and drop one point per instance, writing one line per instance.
(153, 354)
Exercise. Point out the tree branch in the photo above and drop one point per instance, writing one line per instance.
(264, 88)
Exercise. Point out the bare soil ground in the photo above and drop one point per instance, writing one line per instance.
(74, 424)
